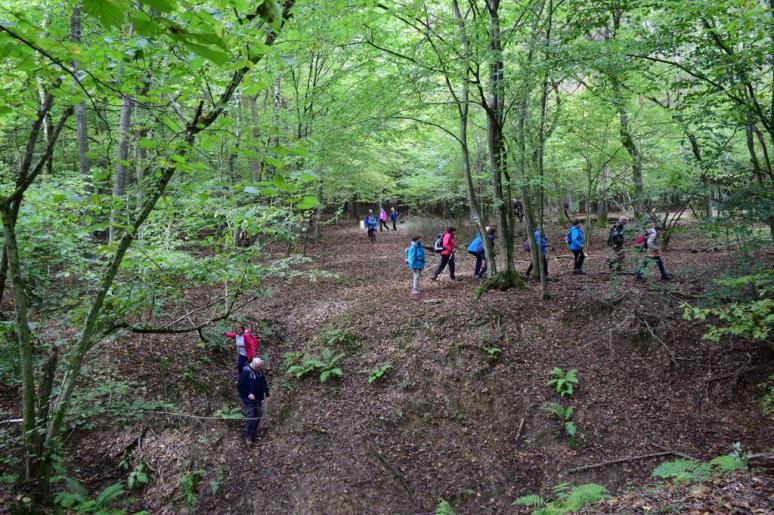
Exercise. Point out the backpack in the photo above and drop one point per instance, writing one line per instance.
(568, 238)
(438, 244)
(610, 238)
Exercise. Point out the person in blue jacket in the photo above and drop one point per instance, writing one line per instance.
(370, 223)
(476, 248)
(415, 258)
(253, 388)
(394, 218)
(576, 240)
(543, 242)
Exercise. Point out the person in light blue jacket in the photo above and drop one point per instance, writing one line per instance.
(415, 258)
(575, 240)
(476, 248)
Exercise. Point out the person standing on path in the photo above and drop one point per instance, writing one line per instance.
(383, 220)
(370, 223)
(476, 248)
(543, 242)
(394, 218)
(246, 344)
(415, 258)
(253, 388)
(448, 244)
(616, 240)
(654, 253)
(575, 240)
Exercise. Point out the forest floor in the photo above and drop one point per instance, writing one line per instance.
(453, 418)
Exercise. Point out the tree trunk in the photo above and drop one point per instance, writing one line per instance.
(255, 161)
(602, 197)
(123, 157)
(81, 122)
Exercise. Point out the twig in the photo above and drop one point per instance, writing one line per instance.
(669, 351)
(629, 458)
(395, 473)
(518, 433)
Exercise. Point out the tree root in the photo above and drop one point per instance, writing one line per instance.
(501, 281)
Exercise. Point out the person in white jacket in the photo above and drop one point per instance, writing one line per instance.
(654, 254)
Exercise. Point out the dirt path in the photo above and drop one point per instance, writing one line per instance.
(444, 420)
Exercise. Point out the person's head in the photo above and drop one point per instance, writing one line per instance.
(490, 230)
(577, 223)
(256, 363)
(450, 229)
(623, 220)
(247, 330)
(417, 238)
(392, 209)
(370, 211)
(241, 329)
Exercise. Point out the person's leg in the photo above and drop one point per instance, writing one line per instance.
(254, 414)
(545, 265)
(451, 266)
(641, 269)
(246, 433)
(575, 257)
(484, 268)
(581, 259)
(477, 270)
(441, 266)
(417, 273)
(394, 225)
(661, 269)
(529, 268)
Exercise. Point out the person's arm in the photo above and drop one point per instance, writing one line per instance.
(229, 335)
(264, 385)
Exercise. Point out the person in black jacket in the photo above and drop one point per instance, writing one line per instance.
(253, 389)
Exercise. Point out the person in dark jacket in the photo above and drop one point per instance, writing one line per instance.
(616, 240)
(394, 218)
(253, 388)
(543, 242)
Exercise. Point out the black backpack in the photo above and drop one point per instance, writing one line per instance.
(438, 244)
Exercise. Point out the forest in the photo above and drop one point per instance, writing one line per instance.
(184, 183)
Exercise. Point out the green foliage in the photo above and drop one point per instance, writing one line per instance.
(189, 483)
(230, 413)
(491, 352)
(767, 401)
(444, 508)
(378, 372)
(138, 476)
(76, 498)
(683, 471)
(564, 415)
(563, 383)
(324, 364)
(568, 499)
(751, 318)
(729, 463)
(344, 338)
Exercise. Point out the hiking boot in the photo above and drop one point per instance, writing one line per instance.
(433, 277)
(415, 292)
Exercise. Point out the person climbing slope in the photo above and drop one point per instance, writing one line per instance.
(575, 241)
(415, 258)
(246, 345)
(370, 223)
(383, 220)
(448, 244)
(394, 218)
(253, 388)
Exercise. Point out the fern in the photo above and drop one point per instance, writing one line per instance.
(582, 495)
(110, 494)
(729, 463)
(531, 500)
(683, 471)
(444, 508)
(563, 383)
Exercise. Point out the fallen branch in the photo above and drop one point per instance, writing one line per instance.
(629, 458)
(395, 473)
(669, 351)
(518, 433)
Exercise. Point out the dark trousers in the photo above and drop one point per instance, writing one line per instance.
(545, 267)
(372, 234)
(445, 260)
(394, 225)
(659, 263)
(480, 269)
(253, 414)
(579, 258)
(383, 223)
(241, 362)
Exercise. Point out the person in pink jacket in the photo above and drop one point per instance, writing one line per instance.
(383, 220)
(246, 344)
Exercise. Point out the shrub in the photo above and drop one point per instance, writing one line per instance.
(325, 365)
(564, 384)
(568, 499)
(565, 419)
(378, 371)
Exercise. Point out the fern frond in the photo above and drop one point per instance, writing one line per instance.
(582, 495)
(729, 463)
(110, 493)
(444, 508)
(532, 500)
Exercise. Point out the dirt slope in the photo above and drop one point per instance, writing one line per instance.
(444, 421)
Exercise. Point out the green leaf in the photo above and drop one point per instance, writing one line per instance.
(110, 13)
(307, 203)
(165, 6)
(255, 87)
(217, 57)
(146, 143)
(276, 163)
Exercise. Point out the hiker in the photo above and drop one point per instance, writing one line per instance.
(654, 253)
(543, 242)
(253, 389)
(246, 344)
(616, 240)
(575, 240)
(415, 258)
(566, 207)
(476, 248)
(370, 223)
(383, 219)
(447, 254)
(518, 209)
(453, 214)
(394, 218)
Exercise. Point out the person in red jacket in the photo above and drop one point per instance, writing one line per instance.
(447, 254)
(246, 344)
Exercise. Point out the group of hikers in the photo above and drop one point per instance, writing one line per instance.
(370, 222)
(445, 244)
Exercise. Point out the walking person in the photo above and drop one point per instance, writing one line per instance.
(616, 240)
(540, 240)
(383, 219)
(253, 388)
(518, 209)
(575, 241)
(415, 258)
(654, 254)
(370, 223)
(246, 345)
(394, 218)
(476, 248)
(448, 244)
